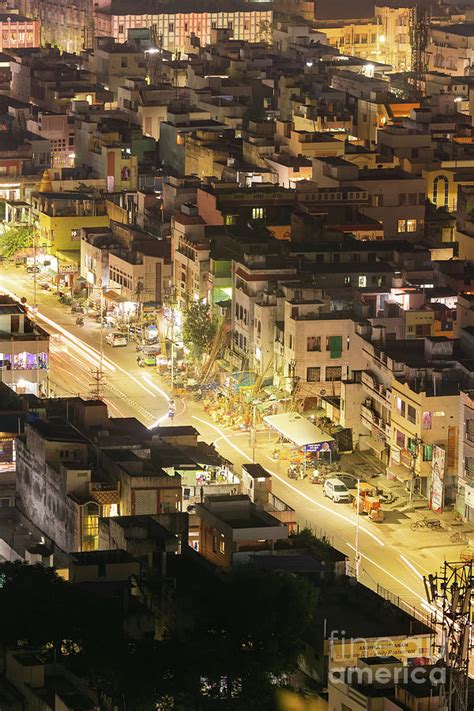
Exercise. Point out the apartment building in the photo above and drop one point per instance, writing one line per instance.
(230, 525)
(112, 62)
(451, 48)
(17, 31)
(24, 350)
(248, 22)
(58, 129)
(396, 198)
(191, 256)
(61, 215)
(320, 346)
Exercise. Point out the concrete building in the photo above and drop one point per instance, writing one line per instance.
(191, 256)
(17, 31)
(112, 62)
(248, 21)
(396, 198)
(58, 129)
(451, 48)
(230, 525)
(24, 350)
(52, 463)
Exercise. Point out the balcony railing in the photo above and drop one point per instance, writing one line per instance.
(373, 419)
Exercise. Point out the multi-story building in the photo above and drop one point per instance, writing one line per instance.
(320, 348)
(250, 22)
(112, 62)
(191, 256)
(24, 350)
(230, 525)
(61, 215)
(58, 129)
(17, 31)
(396, 198)
(451, 48)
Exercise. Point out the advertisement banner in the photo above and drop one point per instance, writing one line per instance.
(438, 464)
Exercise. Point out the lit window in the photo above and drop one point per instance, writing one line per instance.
(362, 281)
(402, 225)
(257, 213)
(411, 226)
(222, 547)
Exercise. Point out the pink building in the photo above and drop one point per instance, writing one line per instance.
(17, 31)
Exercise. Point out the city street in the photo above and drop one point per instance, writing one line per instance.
(392, 556)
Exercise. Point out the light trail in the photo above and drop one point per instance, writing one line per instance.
(346, 519)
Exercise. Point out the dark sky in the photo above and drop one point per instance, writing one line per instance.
(341, 9)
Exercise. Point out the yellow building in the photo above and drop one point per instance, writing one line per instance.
(60, 217)
(424, 413)
(442, 183)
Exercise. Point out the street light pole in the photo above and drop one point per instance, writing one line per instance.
(413, 473)
(357, 550)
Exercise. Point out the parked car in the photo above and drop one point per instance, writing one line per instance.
(116, 339)
(146, 359)
(33, 270)
(350, 480)
(336, 490)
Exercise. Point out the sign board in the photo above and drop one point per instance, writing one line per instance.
(438, 464)
(345, 652)
(469, 495)
(318, 447)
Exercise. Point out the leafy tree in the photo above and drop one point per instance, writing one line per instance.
(248, 635)
(199, 327)
(16, 238)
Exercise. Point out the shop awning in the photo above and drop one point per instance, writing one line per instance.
(111, 295)
(375, 444)
(297, 429)
(399, 472)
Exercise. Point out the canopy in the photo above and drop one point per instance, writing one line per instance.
(111, 295)
(297, 429)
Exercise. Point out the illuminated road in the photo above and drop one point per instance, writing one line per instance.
(391, 555)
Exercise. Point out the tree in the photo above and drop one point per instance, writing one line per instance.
(199, 327)
(247, 638)
(15, 238)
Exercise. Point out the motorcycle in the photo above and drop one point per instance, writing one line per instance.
(79, 321)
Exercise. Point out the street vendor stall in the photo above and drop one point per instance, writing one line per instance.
(306, 437)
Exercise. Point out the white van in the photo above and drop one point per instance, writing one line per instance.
(336, 490)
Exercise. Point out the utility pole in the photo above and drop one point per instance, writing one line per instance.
(413, 472)
(357, 531)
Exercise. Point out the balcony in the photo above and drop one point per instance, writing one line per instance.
(469, 443)
(371, 419)
(376, 390)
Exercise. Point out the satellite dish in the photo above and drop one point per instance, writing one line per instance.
(322, 392)
(23, 300)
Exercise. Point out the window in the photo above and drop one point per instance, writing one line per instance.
(170, 26)
(411, 414)
(258, 213)
(412, 198)
(427, 452)
(333, 373)
(313, 375)
(124, 62)
(400, 406)
(377, 200)
(120, 29)
(411, 225)
(400, 439)
(402, 226)
(411, 445)
(440, 191)
(231, 219)
(313, 343)
(334, 344)
(347, 280)
(362, 281)
(222, 546)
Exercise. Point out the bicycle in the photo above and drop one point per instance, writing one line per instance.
(429, 523)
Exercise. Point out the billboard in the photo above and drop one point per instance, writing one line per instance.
(438, 464)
